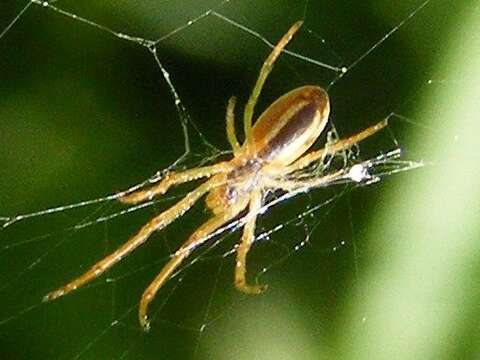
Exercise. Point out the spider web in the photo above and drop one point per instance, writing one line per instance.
(151, 82)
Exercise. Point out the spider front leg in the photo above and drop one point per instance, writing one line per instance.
(197, 238)
(173, 178)
(157, 223)
(331, 149)
(248, 238)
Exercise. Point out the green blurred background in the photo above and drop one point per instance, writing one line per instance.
(391, 270)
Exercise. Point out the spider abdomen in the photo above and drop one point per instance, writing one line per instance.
(289, 126)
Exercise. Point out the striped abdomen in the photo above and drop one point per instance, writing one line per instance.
(289, 126)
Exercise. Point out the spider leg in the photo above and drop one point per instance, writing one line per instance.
(292, 185)
(231, 135)
(248, 237)
(196, 239)
(157, 223)
(173, 178)
(337, 146)
(262, 77)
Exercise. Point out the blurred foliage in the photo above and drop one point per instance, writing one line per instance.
(84, 114)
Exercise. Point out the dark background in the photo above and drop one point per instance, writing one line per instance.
(84, 114)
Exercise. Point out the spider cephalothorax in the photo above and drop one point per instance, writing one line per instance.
(274, 148)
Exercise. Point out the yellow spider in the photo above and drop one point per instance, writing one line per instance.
(272, 151)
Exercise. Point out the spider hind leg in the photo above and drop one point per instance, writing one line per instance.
(157, 223)
(230, 118)
(262, 77)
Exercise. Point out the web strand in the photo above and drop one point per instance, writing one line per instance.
(356, 169)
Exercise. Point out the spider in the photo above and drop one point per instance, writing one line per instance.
(274, 148)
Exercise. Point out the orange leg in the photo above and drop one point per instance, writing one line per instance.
(331, 149)
(231, 134)
(196, 239)
(292, 185)
(248, 238)
(262, 77)
(157, 223)
(173, 179)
